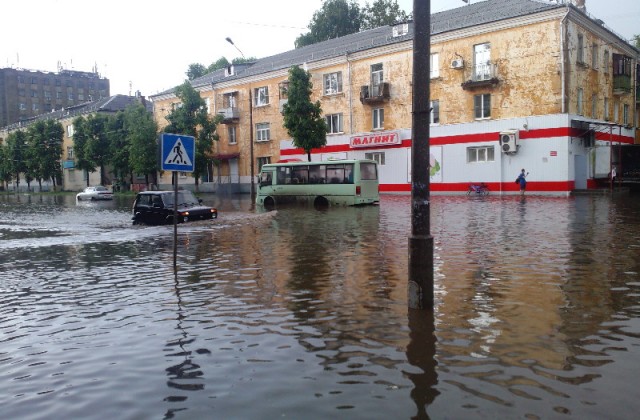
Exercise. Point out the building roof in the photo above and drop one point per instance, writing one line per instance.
(466, 16)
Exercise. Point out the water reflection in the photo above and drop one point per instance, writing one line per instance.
(273, 314)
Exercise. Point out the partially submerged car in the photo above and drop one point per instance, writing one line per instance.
(95, 193)
(156, 208)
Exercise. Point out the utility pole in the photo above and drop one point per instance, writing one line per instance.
(420, 290)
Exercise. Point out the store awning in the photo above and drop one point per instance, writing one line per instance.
(226, 156)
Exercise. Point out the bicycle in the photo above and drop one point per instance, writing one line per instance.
(478, 189)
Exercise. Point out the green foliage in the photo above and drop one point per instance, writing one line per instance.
(302, 118)
(142, 132)
(636, 41)
(16, 154)
(119, 147)
(381, 13)
(335, 18)
(91, 144)
(44, 140)
(196, 70)
(192, 119)
(220, 63)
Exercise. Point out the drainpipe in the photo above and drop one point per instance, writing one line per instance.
(350, 93)
(564, 52)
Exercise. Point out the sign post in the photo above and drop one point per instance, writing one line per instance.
(177, 154)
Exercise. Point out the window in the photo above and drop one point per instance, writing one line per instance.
(231, 130)
(22, 106)
(434, 115)
(283, 89)
(482, 106)
(47, 94)
(58, 95)
(34, 93)
(400, 29)
(334, 123)
(605, 62)
(332, 83)
(263, 132)
(594, 105)
(482, 62)
(580, 107)
(229, 100)
(69, 152)
(480, 154)
(625, 114)
(262, 96)
(616, 111)
(21, 92)
(378, 118)
(46, 82)
(580, 49)
(80, 96)
(263, 161)
(376, 76)
(34, 80)
(594, 56)
(70, 130)
(377, 156)
(434, 66)
(70, 96)
(34, 107)
(207, 104)
(58, 82)
(606, 109)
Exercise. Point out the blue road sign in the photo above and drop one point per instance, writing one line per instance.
(178, 152)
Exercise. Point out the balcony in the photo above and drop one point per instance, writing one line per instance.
(621, 84)
(229, 115)
(375, 94)
(483, 75)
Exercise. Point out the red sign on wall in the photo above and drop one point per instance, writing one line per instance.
(383, 138)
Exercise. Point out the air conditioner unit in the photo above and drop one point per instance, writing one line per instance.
(509, 141)
(458, 63)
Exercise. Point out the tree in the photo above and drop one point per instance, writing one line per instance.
(5, 174)
(636, 41)
(91, 144)
(119, 146)
(302, 118)
(192, 119)
(142, 133)
(335, 18)
(44, 139)
(196, 70)
(16, 155)
(381, 13)
(220, 63)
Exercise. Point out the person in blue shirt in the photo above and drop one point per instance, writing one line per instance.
(522, 180)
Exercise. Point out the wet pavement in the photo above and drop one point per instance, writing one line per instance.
(301, 312)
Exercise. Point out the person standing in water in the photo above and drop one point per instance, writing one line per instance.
(522, 181)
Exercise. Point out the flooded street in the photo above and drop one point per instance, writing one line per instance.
(301, 313)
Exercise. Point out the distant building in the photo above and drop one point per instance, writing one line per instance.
(514, 84)
(27, 93)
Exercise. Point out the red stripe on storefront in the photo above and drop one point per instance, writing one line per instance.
(471, 138)
(543, 186)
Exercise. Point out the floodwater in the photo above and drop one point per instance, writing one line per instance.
(301, 313)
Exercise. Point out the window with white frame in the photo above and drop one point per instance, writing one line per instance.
(377, 76)
(34, 106)
(616, 111)
(580, 104)
(482, 106)
(22, 106)
(377, 156)
(482, 61)
(378, 118)
(480, 154)
(434, 66)
(231, 130)
(69, 152)
(262, 96)
(334, 123)
(263, 131)
(332, 83)
(229, 100)
(207, 103)
(434, 114)
(263, 161)
(70, 130)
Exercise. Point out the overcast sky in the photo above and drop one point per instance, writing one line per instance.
(147, 45)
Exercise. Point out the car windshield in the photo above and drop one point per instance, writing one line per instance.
(185, 198)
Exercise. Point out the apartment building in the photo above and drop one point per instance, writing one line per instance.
(27, 93)
(514, 84)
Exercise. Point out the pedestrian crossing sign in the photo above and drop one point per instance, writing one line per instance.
(177, 152)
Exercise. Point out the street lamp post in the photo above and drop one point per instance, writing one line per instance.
(253, 190)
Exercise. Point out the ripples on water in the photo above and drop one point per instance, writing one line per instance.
(304, 313)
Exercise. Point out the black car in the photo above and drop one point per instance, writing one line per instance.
(156, 208)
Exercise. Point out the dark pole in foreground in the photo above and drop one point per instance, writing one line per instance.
(174, 174)
(420, 290)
